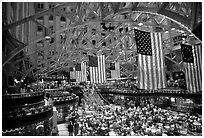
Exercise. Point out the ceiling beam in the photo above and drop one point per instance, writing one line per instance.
(163, 6)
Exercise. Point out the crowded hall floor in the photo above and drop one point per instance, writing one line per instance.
(95, 117)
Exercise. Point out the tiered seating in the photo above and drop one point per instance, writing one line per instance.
(23, 109)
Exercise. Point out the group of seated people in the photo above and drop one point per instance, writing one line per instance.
(142, 120)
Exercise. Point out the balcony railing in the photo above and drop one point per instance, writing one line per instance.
(22, 118)
(137, 92)
(10, 100)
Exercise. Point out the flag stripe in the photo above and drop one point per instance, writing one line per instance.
(99, 69)
(154, 59)
(104, 70)
(196, 83)
(199, 56)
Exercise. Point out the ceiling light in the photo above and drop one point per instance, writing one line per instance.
(140, 24)
(166, 32)
(181, 31)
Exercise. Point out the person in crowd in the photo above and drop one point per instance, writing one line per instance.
(55, 131)
(70, 128)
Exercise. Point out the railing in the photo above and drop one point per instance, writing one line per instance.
(64, 99)
(18, 119)
(137, 92)
(22, 95)
(12, 100)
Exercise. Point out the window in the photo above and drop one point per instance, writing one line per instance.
(40, 53)
(52, 40)
(51, 5)
(52, 62)
(104, 44)
(110, 40)
(94, 31)
(52, 52)
(93, 42)
(62, 19)
(41, 65)
(51, 17)
(63, 9)
(52, 29)
(40, 5)
(40, 18)
(40, 44)
(84, 42)
(40, 29)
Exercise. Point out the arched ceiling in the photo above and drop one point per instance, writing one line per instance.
(102, 28)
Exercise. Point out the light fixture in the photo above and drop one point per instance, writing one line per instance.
(140, 24)
(181, 31)
(166, 32)
(47, 34)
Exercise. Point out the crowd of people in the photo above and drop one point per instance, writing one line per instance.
(144, 119)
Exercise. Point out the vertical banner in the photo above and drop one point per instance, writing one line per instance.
(72, 74)
(115, 70)
(97, 69)
(81, 72)
(192, 60)
(151, 73)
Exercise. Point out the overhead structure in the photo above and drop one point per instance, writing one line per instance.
(94, 28)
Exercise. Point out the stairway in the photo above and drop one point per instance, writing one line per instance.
(92, 98)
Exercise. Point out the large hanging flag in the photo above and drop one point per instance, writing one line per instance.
(97, 69)
(192, 58)
(72, 74)
(115, 70)
(151, 73)
(81, 72)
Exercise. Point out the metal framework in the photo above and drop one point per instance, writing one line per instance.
(103, 28)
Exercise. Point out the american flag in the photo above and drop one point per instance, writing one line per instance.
(115, 70)
(151, 73)
(192, 58)
(97, 69)
(81, 72)
(72, 73)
